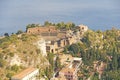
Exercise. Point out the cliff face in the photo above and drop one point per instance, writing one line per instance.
(19, 52)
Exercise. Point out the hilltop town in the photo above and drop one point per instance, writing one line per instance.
(54, 40)
(60, 52)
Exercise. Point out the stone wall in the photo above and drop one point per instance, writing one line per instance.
(43, 31)
(58, 45)
(61, 38)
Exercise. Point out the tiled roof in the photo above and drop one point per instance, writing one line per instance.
(64, 70)
(24, 73)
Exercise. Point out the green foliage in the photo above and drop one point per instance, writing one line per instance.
(2, 63)
(32, 26)
(50, 57)
(74, 48)
(100, 46)
(15, 68)
(19, 32)
(6, 35)
(28, 38)
(20, 46)
(95, 77)
(66, 49)
(60, 25)
(111, 75)
(57, 63)
(5, 42)
(1, 56)
(67, 26)
(11, 54)
(13, 38)
(49, 70)
(24, 37)
(9, 75)
(94, 46)
(47, 23)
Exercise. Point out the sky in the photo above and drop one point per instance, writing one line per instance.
(96, 14)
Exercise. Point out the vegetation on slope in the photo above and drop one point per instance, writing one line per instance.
(101, 47)
(20, 49)
(96, 47)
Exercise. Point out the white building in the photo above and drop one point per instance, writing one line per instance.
(41, 44)
(83, 28)
(27, 74)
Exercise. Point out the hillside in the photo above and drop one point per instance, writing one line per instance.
(18, 52)
(99, 50)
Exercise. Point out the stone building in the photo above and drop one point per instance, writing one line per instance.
(82, 28)
(43, 31)
(57, 46)
(55, 39)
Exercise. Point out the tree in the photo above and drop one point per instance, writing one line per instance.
(32, 26)
(115, 62)
(74, 48)
(50, 69)
(19, 32)
(6, 35)
(47, 23)
(50, 57)
(95, 77)
(9, 75)
(69, 25)
(60, 25)
(49, 72)
(15, 68)
(11, 54)
(57, 63)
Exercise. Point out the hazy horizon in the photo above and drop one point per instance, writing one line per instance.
(96, 14)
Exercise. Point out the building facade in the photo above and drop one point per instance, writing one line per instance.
(82, 29)
(70, 71)
(41, 44)
(55, 39)
(57, 46)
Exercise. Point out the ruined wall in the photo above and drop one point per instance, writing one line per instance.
(57, 44)
(44, 31)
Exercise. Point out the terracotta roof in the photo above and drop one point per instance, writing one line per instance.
(24, 73)
(64, 70)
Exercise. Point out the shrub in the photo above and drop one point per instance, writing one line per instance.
(11, 54)
(15, 68)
